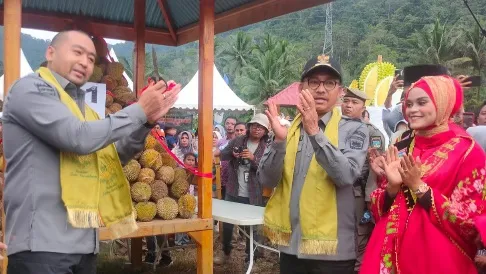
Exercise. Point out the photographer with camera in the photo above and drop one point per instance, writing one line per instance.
(244, 154)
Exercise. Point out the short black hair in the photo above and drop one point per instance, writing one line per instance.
(480, 107)
(240, 123)
(190, 154)
(230, 117)
(62, 35)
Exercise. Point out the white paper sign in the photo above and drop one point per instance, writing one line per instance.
(96, 97)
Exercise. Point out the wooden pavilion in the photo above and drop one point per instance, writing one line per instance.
(163, 22)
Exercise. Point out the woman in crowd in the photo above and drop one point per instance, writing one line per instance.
(184, 146)
(431, 191)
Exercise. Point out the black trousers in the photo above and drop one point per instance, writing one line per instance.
(152, 242)
(228, 229)
(51, 263)
(290, 264)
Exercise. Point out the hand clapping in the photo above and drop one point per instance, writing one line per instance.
(307, 108)
(156, 101)
(410, 171)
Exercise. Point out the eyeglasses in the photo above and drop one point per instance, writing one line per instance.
(315, 84)
(257, 127)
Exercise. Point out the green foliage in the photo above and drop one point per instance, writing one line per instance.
(259, 65)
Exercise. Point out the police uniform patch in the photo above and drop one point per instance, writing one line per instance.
(357, 140)
(375, 142)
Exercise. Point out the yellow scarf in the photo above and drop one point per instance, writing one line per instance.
(318, 204)
(94, 188)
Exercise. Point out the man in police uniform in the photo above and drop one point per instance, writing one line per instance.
(352, 108)
(321, 84)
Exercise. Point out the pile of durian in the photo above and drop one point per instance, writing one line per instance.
(118, 94)
(159, 188)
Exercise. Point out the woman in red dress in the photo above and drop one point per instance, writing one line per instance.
(431, 191)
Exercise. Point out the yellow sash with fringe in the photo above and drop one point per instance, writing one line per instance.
(318, 204)
(94, 188)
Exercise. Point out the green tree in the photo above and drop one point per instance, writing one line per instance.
(440, 46)
(236, 54)
(271, 70)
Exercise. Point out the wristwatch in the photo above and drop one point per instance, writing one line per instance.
(421, 189)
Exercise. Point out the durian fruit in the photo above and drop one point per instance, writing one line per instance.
(151, 142)
(97, 75)
(115, 70)
(166, 174)
(109, 100)
(167, 208)
(159, 190)
(132, 170)
(146, 175)
(120, 90)
(354, 84)
(146, 211)
(381, 91)
(187, 206)
(125, 99)
(100, 46)
(140, 192)
(123, 82)
(102, 66)
(115, 107)
(179, 174)
(372, 74)
(151, 159)
(179, 188)
(110, 83)
(167, 160)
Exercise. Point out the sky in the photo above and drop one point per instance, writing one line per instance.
(48, 35)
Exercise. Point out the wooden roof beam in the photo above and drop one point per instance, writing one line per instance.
(164, 8)
(57, 22)
(251, 13)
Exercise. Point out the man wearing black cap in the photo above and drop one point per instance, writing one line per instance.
(312, 165)
(410, 75)
(352, 107)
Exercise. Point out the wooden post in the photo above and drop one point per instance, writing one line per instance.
(12, 21)
(205, 106)
(139, 21)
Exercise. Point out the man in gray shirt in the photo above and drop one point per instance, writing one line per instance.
(38, 126)
(320, 89)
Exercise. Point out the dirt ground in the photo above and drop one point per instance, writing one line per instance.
(184, 261)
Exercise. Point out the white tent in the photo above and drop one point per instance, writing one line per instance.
(113, 55)
(24, 70)
(223, 97)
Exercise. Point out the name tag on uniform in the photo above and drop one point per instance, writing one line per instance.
(376, 142)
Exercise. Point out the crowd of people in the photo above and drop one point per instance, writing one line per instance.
(339, 195)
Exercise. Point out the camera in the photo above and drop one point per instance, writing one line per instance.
(241, 161)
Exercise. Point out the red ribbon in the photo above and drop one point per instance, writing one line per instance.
(191, 169)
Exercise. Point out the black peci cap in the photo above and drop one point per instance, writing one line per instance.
(413, 73)
(322, 62)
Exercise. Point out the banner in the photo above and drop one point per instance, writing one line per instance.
(182, 122)
(95, 97)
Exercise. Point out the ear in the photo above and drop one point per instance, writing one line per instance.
(50, 53)
(301, 86)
